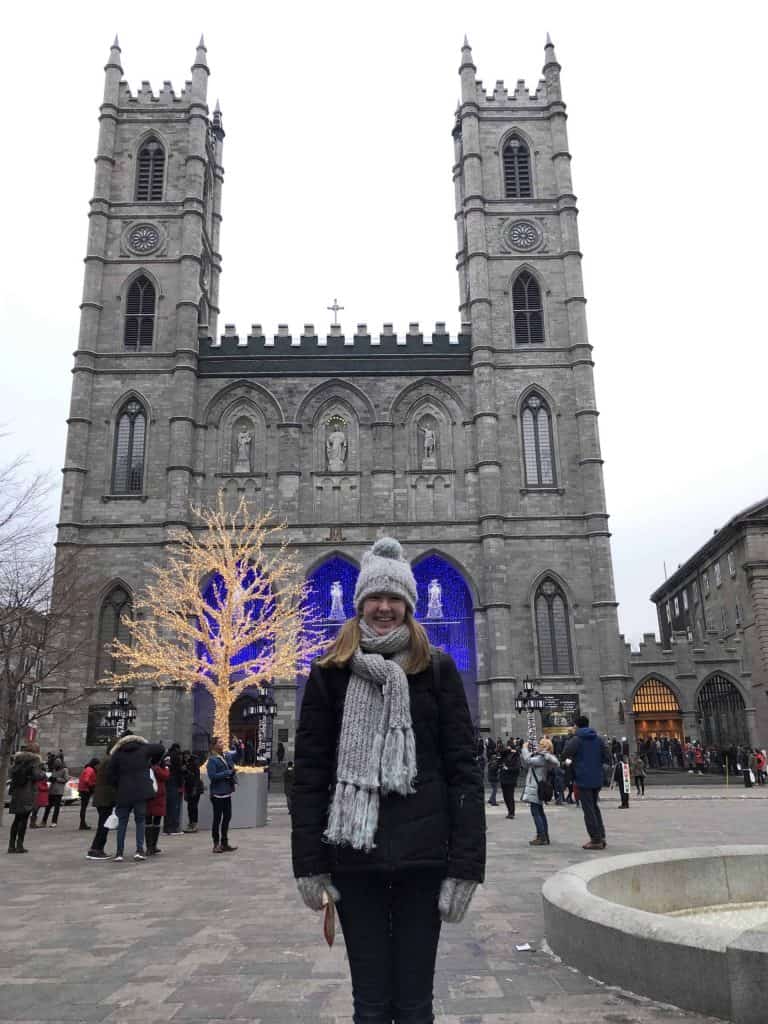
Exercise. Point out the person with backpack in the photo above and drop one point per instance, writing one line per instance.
(387, 808)
(538, 786)
(509, 772)
(85, 787)
(27, 771)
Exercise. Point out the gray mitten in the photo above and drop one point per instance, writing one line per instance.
(312, 887)
(455, 896)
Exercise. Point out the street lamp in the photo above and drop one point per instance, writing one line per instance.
(262, 707)
(530, 701)
(121, 713)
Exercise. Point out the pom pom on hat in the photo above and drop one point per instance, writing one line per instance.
(384, 570)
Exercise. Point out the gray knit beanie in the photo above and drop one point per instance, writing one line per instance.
(385, 571)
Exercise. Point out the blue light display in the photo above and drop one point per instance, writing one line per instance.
(214, 594)
(453, 630)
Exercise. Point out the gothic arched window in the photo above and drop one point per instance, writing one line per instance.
(516, 159)
(538, 443)
(140, 314)
(116, 611)
(552, 630)
(527, 309)
(150, 172)
(128, 466)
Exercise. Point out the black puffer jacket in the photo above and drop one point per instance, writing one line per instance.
(129, 769)
(442, 825)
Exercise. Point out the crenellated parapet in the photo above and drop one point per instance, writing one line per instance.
(145, 97)
(521, 96)
(362, 352)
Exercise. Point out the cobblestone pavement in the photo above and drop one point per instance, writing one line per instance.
(191, 937)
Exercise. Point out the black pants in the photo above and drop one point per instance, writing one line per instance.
(193, 802)
(508, 792)
(391, 928)
(640, 784)
(85, 799)
(102, 832)
(18, 830)
(152, 832)
(55, 803)
(593, 819)
(222, 815)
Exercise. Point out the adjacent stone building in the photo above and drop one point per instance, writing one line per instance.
(708, 677)
(477, 447)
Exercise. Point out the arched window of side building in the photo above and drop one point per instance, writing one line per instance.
(114, 615)
(130, 437)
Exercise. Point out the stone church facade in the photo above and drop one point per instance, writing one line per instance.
(478, 448)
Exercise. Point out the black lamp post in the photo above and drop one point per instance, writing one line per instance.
(530, 701)
(262, 708)
(121, 713)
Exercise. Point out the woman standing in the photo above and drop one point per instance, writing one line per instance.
(510, 771)
(156, 805)
(41, 800)
(222, 775)
(27, 771)
(386, 729)
(494, 769)
(104, 800)
(56, 792)
(85, 787)
(193, 788)
(638, 774)
(539, 765)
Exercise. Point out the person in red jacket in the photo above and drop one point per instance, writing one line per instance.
(85, 787)
(156, 806)
(41, 800)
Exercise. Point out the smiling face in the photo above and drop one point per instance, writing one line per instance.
(383, 612)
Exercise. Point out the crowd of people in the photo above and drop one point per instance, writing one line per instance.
(134, 778)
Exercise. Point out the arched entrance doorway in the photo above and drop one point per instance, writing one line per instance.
(721, 713)
(656, 711)
(444, 607)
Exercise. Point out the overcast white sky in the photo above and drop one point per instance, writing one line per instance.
(338, 183)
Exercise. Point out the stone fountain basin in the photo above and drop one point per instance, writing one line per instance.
(607, 918)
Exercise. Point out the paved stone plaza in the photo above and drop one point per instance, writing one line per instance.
(192, 937)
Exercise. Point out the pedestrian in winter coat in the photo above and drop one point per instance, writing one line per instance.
(637, 766)
(386, 734)
(222, 776)
(193, 788)
(85, 787)
(129, 774)
(104, 797)
(41, 800)
(508, 776)
(27, 771)
(621, 781)
(494, 768)
(587, 752)
(174, 792)
(539, 764)
(58, 781)
(288, 778)
(156, 805)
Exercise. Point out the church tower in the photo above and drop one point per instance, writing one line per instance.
(537, 452)
(151, 288)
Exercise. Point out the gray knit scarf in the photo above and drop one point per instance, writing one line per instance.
(377, 750)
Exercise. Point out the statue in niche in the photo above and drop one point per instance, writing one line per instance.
(428, 445)
(336, 447)
(243, 441)
(435, 600)
(337, 602)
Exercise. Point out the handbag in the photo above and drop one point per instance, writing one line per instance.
(544, 788)
(112, 821)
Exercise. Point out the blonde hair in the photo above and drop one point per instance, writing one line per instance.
(348, 641)
(545, 743)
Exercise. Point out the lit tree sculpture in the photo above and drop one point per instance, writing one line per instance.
(254, 631)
